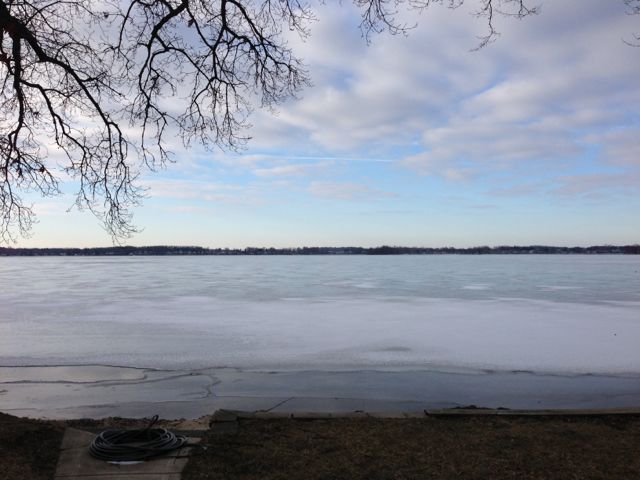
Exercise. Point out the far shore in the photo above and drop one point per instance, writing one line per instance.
(173, 250)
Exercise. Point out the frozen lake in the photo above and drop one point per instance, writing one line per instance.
(546, 314)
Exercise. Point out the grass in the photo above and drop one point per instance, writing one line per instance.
(476, 447)
(459, 447)
(28, 448)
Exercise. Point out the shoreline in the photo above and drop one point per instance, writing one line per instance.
(331, 368)
(99, 391)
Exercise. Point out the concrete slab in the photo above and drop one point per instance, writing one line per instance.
(75, 462)
(74, 439)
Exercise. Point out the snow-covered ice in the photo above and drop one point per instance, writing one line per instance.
(545, 314)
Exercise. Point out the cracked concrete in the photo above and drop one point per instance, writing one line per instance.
(98, 391)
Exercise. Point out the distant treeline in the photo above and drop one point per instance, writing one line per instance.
(383, 250)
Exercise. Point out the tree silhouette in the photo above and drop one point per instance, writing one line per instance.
(94, 89)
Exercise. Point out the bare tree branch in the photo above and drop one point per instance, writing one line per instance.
(56, 92)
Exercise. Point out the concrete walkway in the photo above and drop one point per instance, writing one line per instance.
(75, 463)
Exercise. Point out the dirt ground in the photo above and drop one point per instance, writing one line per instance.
(460, 447)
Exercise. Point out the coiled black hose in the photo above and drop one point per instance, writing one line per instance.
(135, 445)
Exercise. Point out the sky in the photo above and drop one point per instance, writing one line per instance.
(417, 140)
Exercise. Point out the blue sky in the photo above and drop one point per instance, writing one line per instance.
(417, 140)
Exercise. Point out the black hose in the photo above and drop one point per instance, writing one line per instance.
(135, 445)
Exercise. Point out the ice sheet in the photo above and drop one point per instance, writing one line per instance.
(335, 333)
(555, 313)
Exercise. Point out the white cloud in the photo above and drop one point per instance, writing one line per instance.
(52, 208)
(621, 147)
(294, 169)
(549, 94)
(195, 190)
(612, 183)
(188, 209)
(378, 94)
(538, 95)
(346, 191)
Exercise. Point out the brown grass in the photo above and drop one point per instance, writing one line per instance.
(28, 448)
(460, 447)
(431, 448)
